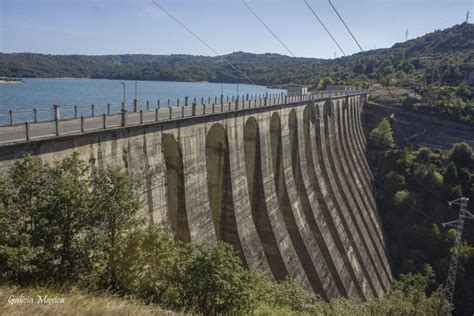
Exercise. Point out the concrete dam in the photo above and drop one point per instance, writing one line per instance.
(285, 181)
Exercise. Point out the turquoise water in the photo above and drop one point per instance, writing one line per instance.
(44, 93)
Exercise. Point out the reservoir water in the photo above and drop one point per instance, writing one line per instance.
(42, 94)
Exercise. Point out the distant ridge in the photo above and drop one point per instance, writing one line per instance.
(453, 46)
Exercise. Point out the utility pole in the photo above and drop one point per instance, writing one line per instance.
(406, 35)
(459, 225)
(467, 16)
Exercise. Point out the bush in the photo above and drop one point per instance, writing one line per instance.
(381, 137)
(214, 282)
(461, 155)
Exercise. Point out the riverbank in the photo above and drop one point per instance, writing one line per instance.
(11, 80)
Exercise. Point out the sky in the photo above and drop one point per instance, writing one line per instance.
(102, 27)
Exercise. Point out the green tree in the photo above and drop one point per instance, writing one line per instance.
(461, 155)
(381, 137)
(216, 283)
(114, 203)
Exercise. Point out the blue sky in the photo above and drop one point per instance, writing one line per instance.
(98, 27)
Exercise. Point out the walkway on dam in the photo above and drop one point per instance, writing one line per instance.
(54, 128)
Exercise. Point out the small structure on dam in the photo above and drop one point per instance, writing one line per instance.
(284, 180)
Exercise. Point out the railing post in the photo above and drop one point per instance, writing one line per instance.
(158, 104)
(193, 109)
(215, 99)
(124, 115)
(185, 101)
(82, 124)
(247, 97)
(27, 130)
(156, 114)
(169, 102)
(57, 114)
(56, 125)
(92, 110)
(75, 111)
(104, 120)
(177, 103)
(202, 100)
(135, 105)
(203, 108)
(222, 107)
(141, 116)
(236, 104)
(222, 98)
(11, 116)
(182, 111)
(148, 105)
(214, 107)
(108, 108)
(35, 115)
(171, 112)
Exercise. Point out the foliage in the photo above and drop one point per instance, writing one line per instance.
(415, 187)
(441, 56)
(381, 137)
(55, 228)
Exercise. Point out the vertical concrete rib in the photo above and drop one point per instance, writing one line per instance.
(349, 151)
(219, 188)
(259, 211)
(285, 204)
(336, 225)
(298, 207)
(193, 143)
(346, 204)
(354, 200)
(317, 213)
(249, 239)
(175, 191)
(354, 121)
(278, 221)
(358, 242)
(359, 103)
(359, 153)
(359, 137)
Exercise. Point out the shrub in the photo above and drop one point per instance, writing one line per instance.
(381, 137)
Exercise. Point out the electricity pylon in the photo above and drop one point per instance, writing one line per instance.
(453, 265)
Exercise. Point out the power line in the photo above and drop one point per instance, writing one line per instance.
(324, 26)
(393, 97)
(332, 5)
(408, 204)
(203, 42)
(459, 225)
(268, 28)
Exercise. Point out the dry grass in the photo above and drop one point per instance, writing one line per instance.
(75, 303)
(392, 96)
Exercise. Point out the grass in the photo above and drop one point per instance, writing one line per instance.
(75, 303)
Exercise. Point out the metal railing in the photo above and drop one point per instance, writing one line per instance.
(60, 121)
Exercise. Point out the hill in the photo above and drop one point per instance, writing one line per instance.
(446, 55)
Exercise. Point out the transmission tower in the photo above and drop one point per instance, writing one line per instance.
(467, 16)
(459, 225)
(406, 35)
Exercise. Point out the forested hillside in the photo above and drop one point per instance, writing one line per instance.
(446, 55)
